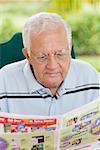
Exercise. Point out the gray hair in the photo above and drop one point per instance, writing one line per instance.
(44, 21)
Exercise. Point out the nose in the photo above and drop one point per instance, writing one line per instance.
(52, 62)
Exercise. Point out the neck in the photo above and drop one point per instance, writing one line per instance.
(54, 91)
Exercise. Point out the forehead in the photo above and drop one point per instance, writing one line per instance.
(49, 40)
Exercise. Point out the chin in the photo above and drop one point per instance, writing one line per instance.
(52, 84)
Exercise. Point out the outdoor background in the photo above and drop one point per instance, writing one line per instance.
(82, 15)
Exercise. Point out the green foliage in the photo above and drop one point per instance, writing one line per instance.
(85, 26)
(7, 30)
(86, 32)
(63, 7)
(18, 8)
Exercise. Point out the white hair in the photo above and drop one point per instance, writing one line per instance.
(44, 21)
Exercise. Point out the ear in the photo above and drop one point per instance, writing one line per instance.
(26, 53)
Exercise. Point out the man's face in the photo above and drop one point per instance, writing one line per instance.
(49, 57)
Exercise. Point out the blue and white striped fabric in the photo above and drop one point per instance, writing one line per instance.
(20, 92)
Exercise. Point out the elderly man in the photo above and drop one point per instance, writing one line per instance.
(49, 81)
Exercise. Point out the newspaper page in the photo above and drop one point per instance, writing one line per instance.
(20, 132)
(80, 128)
(75, 130)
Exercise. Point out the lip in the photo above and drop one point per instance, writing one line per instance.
(52, 74)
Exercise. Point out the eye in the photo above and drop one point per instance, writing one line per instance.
(60, 55)
(42, 58)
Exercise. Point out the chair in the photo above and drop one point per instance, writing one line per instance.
(11, 51)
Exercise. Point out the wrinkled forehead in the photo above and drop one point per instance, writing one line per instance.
(56, 31)
(49, 40)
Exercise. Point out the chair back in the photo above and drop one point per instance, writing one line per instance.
(11, 51)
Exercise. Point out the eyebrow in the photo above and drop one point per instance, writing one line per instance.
(46, 53)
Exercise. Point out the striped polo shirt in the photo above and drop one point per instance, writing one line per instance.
(21, 93)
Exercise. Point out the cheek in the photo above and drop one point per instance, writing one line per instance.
(38, 71)
(65, 68)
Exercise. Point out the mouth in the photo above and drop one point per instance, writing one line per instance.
(52, 74)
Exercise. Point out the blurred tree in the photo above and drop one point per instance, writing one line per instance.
(63, 7)
(86, 32)
(7, 29)
(93, 1)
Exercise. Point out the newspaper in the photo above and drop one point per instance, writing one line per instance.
(75, 130)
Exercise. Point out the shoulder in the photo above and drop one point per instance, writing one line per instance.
(83, 71)
(81, 66)
(13, 68)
